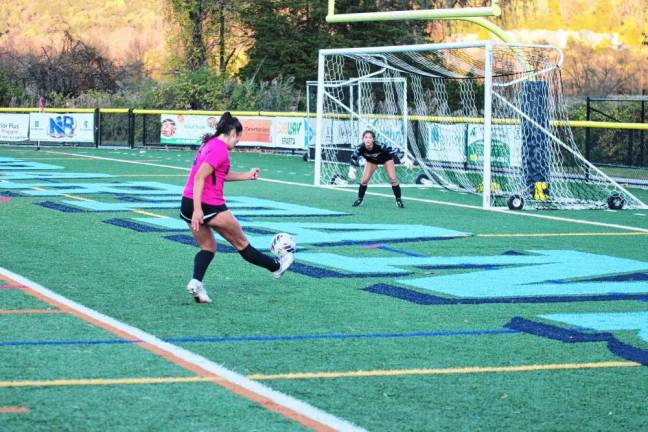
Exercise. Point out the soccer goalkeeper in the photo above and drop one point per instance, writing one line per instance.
(377, 154)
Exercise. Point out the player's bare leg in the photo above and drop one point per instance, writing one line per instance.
(228, 227)
(390, 168)
(369, 169)
(207, 244)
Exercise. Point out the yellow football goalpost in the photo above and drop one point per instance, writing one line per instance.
(475, 15)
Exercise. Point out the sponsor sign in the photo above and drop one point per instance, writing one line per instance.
(61, 127)
(184, 129)
(289, 132)
(446, 143)
(14, 127)
(506, 146)
(257, 131)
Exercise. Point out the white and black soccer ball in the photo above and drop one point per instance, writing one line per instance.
(282, 244)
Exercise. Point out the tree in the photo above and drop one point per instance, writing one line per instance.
(203, 26)
(289, 33)
(603, 71)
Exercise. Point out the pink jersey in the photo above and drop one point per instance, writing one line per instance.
(215, 153)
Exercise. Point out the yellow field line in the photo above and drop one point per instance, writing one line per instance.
(76, 197)
(318, 375)
(444, 371)
(28, 311)
(590, 234)
(145, 213)
(107, 381)
(13, 409)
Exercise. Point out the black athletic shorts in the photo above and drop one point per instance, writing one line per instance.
(209, 211)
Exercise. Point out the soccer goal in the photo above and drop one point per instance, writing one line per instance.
(481, 117)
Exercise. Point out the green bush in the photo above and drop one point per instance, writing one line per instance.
(203, 89)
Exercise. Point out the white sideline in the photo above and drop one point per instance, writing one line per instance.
(430, 201)
(281, 399)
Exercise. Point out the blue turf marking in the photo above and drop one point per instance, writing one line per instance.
(72, 342)
(399, 251)
(277, 338)
(430, 299)
(564, 335)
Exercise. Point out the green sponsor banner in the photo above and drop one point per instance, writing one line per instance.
(500, 153)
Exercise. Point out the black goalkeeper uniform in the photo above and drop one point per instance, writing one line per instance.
(379, 154)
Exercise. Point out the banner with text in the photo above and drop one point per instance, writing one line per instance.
(276, 132)
(184, 129)
(14, 127)
(64, 127)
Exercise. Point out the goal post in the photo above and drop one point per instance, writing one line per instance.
(479, 117)
(420, 14)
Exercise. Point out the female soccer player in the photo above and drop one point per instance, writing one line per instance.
(203, 206)
(376, 154)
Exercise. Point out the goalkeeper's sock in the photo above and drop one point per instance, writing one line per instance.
(201, 262)
(361, 191)
(252, 255)
(397, 191)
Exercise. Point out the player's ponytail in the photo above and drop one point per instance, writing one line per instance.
(226, 124)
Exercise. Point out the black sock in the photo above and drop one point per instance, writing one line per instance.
(397, 191)
(361, 191)
(201, 262)
(251, 255)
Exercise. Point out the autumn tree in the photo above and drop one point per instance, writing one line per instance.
(208, 33)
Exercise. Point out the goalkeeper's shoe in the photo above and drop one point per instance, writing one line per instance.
(284, 262)
(197, 291)
(357, 203)
(399, 203)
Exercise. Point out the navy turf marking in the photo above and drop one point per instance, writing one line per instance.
(399, 251)
(60, 207)
(429, 299)
(125, 223)
(548, 331)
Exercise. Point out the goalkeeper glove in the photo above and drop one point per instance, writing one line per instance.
(408, 163)
(352, 173)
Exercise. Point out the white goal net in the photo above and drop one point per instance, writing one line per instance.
(480, 117)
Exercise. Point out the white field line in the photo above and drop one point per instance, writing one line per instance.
(283, 400)
(424, 200)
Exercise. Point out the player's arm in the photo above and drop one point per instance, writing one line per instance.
(203, 172)
(253, 174)
(354, 163)
(355, 157)
(399, 156)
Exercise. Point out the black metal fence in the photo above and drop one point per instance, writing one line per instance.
(611, 146)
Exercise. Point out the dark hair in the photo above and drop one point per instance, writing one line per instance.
(225, 125)
(370, 132)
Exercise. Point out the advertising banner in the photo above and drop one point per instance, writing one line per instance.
(289, 132)
(14, 127)
(257, 131)
(446, 143)
(506, 146)
(61, 127)
(181, 129)
(279, 132)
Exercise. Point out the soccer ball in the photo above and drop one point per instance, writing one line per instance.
(282, 244)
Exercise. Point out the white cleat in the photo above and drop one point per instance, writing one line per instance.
(197, 291)
(284, 262)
